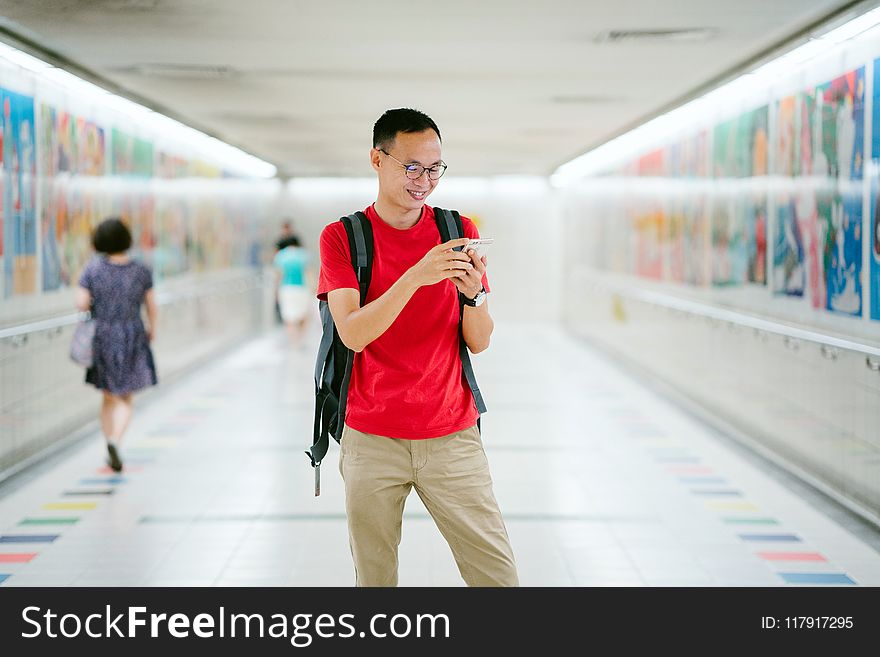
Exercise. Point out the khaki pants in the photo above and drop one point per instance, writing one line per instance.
(451, 476)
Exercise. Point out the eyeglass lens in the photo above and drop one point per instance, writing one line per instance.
(414, 171)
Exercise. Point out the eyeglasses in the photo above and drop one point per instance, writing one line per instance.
(415, 171)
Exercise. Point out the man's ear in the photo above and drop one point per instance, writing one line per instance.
(374, 158)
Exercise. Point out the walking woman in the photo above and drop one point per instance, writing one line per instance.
(113, 287)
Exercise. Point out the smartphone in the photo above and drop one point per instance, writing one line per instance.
(481, 245)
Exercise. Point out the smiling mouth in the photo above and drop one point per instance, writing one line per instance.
(419, 196)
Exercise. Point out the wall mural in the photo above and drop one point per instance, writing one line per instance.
(874, 237)
(19, 245)
(818, 247)
(771, 197)
(180, 211)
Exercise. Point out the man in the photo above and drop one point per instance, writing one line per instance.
(411, 419)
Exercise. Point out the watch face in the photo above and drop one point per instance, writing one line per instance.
(480, 298)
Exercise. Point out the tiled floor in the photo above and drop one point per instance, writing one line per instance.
(602, 483)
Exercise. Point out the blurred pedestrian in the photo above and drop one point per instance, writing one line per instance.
(114, 287)
(292, 287)
(280, 243)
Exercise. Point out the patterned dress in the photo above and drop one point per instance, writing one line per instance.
(123, 360)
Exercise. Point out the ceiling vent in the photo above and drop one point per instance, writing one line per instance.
(184, 71)
(82, 6)
(687, 34)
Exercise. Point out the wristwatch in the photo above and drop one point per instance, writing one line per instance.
(477, 300)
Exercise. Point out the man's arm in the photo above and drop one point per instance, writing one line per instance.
(358, 326)
(476, 323)
(477, 326)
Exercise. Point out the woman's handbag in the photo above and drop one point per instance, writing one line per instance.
(81, 345)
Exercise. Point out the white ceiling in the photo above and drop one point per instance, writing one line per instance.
(516, 87)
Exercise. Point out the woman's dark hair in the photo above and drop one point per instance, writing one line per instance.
(111, 236)
(401, 120)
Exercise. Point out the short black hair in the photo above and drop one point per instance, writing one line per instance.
(111, 236)
(293, 240)
(402, 119)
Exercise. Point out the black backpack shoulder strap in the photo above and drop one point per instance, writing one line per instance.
(450, 227)
(360, 241)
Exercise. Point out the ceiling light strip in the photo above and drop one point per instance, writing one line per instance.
(641, 138)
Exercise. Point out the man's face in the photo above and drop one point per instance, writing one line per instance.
(410, 148)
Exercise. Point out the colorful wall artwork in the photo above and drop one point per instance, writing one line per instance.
(818, 246)
(770, 197)
(19, 251)
(874, 236)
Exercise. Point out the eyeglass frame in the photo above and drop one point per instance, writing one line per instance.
(406, 167)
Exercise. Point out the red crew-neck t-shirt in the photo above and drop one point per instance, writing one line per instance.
(407, 383)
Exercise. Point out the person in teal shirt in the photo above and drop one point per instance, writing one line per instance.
(292, 262)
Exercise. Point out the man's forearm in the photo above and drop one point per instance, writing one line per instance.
(369, 322)
(476, 327)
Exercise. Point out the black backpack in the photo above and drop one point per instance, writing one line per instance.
(335, 360)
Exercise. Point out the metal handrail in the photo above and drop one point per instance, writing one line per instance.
(738, 318)
(42, 325)
(162, 299)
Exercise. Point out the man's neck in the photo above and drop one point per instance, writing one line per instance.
(398, 218)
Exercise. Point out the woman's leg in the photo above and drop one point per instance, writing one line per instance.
(116, 413)
(122, 412)
(107, 415)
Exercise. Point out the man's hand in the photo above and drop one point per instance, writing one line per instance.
(441, 263)
(470, 281)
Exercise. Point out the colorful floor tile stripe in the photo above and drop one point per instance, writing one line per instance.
(23, 557)
(128, 469)
(70, 506)
(28, 538)
(137, 455)
(771, 538)
(48, 521)
(816, 578)
(691, 475)
(750, 521)
(792, 556)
